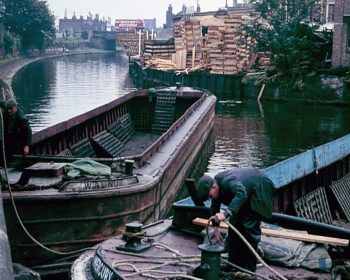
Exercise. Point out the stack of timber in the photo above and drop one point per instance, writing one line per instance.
(163, 49)
(130, 41)
(223, 48)
(160, 64)
(229, 47)
(188, 41)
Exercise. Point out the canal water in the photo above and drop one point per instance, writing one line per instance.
(246, 133)
(54, 90)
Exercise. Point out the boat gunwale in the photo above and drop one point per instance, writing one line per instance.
(138, 158)
(141, 186)
(292, 169)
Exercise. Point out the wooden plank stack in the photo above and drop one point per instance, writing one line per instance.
(188, 36)
(130, 41)
(228, 46)
(162, 49)
(224, 49)
(160, 64)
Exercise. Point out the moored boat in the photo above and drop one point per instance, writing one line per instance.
(139, 149)
(174, 247)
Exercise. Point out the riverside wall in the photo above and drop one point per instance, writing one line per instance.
(319, 88)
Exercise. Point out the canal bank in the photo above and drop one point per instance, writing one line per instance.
(9, 68)
(320, 88)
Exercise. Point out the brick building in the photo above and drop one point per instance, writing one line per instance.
(324, 10)
(74, 25)
(341, 35)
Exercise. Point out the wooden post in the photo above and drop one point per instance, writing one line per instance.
(261, 91)
(6, 270)
(140, 43)
(193, 55)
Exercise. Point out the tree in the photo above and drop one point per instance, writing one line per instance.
(29, 19)
(285, 29)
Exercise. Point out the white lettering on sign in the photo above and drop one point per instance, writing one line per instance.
(94, 185)
(129, 23)
(101, 270)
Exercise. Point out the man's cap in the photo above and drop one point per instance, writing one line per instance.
(10, 104)
(204, 185)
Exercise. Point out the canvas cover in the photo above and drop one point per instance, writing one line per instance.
(87, 168)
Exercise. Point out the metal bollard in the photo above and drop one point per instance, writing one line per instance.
(132, 239)
(210, 261)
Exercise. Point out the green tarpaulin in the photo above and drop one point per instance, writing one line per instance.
(87, 168)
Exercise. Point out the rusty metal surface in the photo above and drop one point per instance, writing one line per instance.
(96, 213)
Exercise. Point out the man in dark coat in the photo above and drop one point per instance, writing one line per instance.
(17, 131)
(248, 194)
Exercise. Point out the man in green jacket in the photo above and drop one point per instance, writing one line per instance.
(248, 194)
(17, 131)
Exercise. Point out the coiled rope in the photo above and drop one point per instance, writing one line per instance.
(177, 259)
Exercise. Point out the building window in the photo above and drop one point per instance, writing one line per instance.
(330, 13)
(204, 30)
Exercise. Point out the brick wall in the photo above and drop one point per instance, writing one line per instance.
(340, 52)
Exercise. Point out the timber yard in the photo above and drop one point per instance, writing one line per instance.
(126, 116)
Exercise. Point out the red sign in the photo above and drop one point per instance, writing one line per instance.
(128, 25)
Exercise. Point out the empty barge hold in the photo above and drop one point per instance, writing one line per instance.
(127, 161)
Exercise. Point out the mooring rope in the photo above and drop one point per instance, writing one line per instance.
(14, 204)
(250, 248)
(177, 258)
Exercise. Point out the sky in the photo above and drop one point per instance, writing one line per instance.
(128, 9)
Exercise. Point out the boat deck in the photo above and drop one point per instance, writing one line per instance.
(139, 142)
(171, 252)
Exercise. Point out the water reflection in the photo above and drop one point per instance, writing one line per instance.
(246, 133)
(55, 90)
(251, 134)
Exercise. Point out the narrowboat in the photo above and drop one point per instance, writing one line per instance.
(87, 177)
(312, 200)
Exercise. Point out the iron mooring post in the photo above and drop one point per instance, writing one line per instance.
(210, 261)
(132, 239)
(6, 270)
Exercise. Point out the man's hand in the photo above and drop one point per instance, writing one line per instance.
(218, 236)
(26, 150)
(219, 217)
